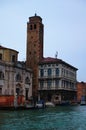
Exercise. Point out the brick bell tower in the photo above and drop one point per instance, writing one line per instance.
(34, 48)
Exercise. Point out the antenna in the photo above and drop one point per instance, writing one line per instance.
(35, 13)
(56, 55)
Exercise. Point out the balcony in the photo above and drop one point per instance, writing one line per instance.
(49, 77)
(48, 88)
(56, 88)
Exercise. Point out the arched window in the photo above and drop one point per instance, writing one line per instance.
(27, 80)
(1, 75)
(41, 73)
(49, 72)
(18, 77)
(30, 27)
(34, 26)
(57, 71)
(17, 91)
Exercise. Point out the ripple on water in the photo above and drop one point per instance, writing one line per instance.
(58, 118)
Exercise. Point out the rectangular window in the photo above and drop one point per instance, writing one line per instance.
(34, 26)
(41, 73)
(26, 93)
(56, 83)
(0, 56)
(49, 83)
(1, 75)
(13, 58)
(62, 83)
(0, 91)
(41, 84)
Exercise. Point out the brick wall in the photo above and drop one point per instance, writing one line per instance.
(8, 101)
(81, 90)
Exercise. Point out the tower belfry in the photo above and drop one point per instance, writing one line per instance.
(34, 46)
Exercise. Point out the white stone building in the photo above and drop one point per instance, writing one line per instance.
(57, 80)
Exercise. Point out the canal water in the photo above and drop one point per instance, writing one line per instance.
(58, 118)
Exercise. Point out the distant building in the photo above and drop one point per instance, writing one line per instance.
(15, 79)
(81, 91)
(57, 80)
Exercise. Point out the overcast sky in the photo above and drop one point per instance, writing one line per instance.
(64, 29)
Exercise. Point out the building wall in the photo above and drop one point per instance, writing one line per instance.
(34, 47)
(53, 79)
(81, 91)
(15, 78)
(59, 78)
(8, 100)
(8, 55)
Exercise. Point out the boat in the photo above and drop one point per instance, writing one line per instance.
(29, 106)
(49, 104)
(83, 102)
(64, 103)
(40, 104)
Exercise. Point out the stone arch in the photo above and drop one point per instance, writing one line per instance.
(18, 77)
(18, 89)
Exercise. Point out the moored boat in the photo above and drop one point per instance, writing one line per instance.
(49, 104)
(83, 103)
(40, 104)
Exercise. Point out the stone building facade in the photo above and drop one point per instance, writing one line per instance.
(57, 80)
(15, 79)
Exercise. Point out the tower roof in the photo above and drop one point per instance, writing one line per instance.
(35, 18)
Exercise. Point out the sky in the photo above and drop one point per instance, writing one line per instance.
(64, 29)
